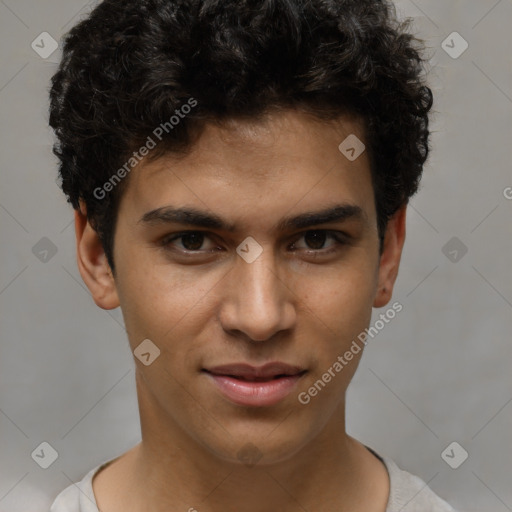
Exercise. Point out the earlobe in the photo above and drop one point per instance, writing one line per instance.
(92, 263)
(390, 258)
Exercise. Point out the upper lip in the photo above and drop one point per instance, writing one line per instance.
(246, 371)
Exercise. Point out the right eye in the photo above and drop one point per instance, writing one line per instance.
(191, 241)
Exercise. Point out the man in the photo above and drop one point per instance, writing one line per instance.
(240, 173)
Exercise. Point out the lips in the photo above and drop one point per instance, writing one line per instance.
(251, 373)
(246, 385)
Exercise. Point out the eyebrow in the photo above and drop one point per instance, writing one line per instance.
(195, 217)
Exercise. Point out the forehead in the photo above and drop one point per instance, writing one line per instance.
(286, 161)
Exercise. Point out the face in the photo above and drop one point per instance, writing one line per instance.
(265, 281)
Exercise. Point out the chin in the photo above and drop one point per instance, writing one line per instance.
(265, 448)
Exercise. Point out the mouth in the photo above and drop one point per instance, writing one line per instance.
(247, 385)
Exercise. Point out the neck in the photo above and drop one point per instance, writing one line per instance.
(174, 472)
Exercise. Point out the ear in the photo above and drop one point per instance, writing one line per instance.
(92, 262)
(393, 243)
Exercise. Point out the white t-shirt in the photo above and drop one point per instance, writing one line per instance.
(408, 493)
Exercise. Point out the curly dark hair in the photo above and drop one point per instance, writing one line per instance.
(131, 64)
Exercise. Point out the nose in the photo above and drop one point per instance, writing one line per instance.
(258, 302)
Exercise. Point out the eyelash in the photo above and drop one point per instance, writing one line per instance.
(339, 237)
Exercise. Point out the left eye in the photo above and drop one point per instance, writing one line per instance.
(316, 239)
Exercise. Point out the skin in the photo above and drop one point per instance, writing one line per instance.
(215, 308)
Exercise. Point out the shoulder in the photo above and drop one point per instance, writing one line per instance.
(408, 493)
(79, 496)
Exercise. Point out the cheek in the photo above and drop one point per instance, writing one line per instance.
(336, 311)
(167, 305)
(340, 298)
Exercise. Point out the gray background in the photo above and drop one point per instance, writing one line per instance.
(438, 373)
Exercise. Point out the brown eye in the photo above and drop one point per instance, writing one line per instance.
(192, 241)
(315, 239)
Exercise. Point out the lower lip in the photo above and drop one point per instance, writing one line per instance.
(256, 394)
